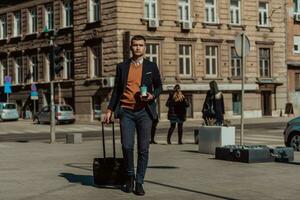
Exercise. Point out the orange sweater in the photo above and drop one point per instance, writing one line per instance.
(131, 97)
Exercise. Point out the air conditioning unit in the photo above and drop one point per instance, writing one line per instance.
(153, 23)
(107, 82)
(187, 25)
(297, 17)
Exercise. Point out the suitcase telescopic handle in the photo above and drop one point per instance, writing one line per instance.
(103, 139)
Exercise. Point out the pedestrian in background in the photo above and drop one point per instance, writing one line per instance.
(213, 106)
(137, 85)
(177, 104)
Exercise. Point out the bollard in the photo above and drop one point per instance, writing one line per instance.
(74, 138)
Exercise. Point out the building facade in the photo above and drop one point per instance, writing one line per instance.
(293, 53)
(191, 40)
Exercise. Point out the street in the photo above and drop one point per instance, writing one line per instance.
(32, 169)
(260, 133)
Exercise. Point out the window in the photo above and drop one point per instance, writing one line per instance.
(152, 52)
(236, 103)
(33, 21)
(235, 7)
(3, 70)
(3, 27)
(49, 17)
(33, 69)
(19, 72)
(95, 61)
(150, 9)
(184, 10)
(94, 10)
(235, 63)
(296, 44)
(67, 65)
(211, 60)
(297, 81)
(264, 62)
(263, 19)
(296, 6)
(189, 110)
(67, 14)
(185, 60)
(17, 24)
(210, 11)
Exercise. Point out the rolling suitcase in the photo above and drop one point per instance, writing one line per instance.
(244, 153)
(283, 154)
(109, 170)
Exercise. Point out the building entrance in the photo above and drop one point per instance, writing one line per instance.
(266, 103)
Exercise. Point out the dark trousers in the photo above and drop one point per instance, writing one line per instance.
(142, 123)
(171, 129)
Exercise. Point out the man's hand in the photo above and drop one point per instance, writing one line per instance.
(107, 116)
(149, 97)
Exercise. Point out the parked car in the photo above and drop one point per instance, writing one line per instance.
(8, 111)
(292, 134)
(63, 114)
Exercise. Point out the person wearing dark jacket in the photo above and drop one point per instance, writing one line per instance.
(137, 85)
(177, 104)
(213, 107)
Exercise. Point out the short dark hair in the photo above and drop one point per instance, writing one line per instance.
(138, 37)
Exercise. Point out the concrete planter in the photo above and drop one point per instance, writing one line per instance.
(210, 137)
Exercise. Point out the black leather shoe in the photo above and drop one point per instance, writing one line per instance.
(139, 190)
(153, 142)
(129, 184)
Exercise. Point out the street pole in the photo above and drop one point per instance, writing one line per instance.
(243, 89)
(34, 109)
(52, 125)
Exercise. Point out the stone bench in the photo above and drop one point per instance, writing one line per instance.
(73, 138)
(210, 137)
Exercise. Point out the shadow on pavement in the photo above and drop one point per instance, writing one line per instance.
(292, 163)
(191, 151)
(86, 180)
(189, 190)
(83, 179)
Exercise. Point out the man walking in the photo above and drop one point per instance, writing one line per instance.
(135, 110)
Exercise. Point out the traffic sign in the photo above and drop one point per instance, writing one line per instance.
(238, 44)
(34, 95)
(7, 84)
(7, 79)
(33, 87)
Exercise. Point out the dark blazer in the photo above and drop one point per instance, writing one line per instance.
(150, 78)
(216, 104)
(177, 110)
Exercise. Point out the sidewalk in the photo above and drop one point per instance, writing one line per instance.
(198, 122)
(35, 171)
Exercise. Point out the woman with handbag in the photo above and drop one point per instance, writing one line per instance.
(177, 104)
(213, 107)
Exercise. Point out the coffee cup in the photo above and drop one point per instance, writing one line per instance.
(144, 91)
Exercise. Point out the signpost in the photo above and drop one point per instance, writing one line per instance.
(242, 47)
(7, 87)
(34, 95)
